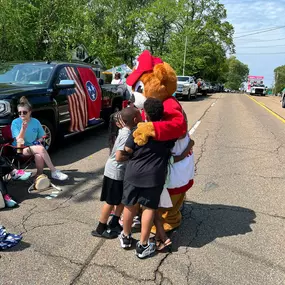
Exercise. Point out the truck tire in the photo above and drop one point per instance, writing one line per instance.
(50, 132)
(195, 94)
(283, 102)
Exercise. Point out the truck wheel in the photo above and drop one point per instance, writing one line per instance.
(283, 102)
(50, 133)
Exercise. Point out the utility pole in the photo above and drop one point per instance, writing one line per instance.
(184, 55)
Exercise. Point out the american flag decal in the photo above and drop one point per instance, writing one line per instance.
(77, 104)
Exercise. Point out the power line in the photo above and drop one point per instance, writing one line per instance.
(261, 46)
(258, 53)
(259, 40)
(238, 2)
(259, 32)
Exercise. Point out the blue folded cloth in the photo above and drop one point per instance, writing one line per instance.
(8, 240)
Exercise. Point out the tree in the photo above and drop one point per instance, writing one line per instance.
(209, 37)
(237, 73)
(117, 31)
(279, 74)
(38, 29)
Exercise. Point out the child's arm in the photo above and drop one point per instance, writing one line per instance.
(122, 155)
(125, 153)
(180, 157)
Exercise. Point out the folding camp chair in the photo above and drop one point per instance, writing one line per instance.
(11, 153)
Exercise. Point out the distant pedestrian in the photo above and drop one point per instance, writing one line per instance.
(117, 79)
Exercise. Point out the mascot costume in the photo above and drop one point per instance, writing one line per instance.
(154, 78)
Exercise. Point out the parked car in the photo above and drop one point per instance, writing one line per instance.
(186, 87)
(282, 98)
(210, 87)
(66, 97)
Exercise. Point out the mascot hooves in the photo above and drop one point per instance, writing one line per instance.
(167, 228)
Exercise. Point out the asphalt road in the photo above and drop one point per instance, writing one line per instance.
(234, 218)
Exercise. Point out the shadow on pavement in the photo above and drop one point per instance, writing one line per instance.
(22, 245)
(80, 146)
(204, 223)
(90, 181)
(198, 99)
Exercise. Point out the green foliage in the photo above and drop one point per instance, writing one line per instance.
(38, 29)
(237, 73)
(117, 31)
(279, 74)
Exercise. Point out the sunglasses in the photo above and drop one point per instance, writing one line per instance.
(23, 112)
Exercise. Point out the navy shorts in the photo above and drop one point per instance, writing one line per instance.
(148, 197)
(112, 191)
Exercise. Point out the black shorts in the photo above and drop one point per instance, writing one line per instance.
(148, 197)
(112, 191)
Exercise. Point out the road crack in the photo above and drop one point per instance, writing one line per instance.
(203, 149)
(48, 254)
(87, 262)
(158, 275)
(121, 272)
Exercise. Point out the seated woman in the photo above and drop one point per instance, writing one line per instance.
(31, 132)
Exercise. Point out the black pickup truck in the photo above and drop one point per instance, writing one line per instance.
(66, 97)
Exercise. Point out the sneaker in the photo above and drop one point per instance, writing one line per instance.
(145, 251)
(118, 228)
(112, 214)
(58, 175)
(107, 234)
(21, 175)
(9, 202)
(136, 222)
(126, 241)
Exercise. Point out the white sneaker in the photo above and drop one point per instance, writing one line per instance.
(58, 175)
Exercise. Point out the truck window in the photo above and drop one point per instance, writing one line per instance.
(26, 74)
(62, 75)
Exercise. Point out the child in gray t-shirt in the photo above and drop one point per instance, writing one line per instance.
(112, 188)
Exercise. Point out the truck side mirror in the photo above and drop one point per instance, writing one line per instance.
(65, 84)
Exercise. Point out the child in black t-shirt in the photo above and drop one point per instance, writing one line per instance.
(144, 180)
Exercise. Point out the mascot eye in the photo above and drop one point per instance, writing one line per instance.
(139, 87)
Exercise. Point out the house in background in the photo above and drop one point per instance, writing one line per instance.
(80, 53)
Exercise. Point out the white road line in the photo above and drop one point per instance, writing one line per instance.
(191, 132)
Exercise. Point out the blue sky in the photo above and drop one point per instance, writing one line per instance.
(258, 51)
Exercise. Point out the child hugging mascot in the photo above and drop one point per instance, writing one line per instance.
(154, 78)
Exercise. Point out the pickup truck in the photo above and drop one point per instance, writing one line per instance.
(186, 87)
(66, 97)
